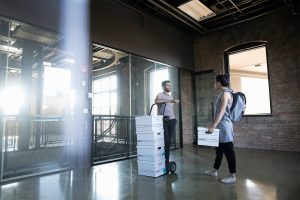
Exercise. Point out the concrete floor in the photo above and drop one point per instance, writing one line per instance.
(261, 174)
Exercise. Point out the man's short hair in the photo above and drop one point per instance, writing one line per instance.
(164, 83)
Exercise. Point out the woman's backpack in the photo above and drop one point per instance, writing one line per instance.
(238, 106)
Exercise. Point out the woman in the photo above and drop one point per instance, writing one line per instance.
(223, 123)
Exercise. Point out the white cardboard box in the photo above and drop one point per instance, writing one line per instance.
(150, 166)
(208, 139)
(151, 143)
(149, 120)
(152, 158)
(150, 135)
(149, 128)
(152, 173)
(150, 150)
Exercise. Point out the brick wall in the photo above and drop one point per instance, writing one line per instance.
(188, 113)
(281, 30)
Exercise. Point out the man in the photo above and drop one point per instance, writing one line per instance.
(165, 107)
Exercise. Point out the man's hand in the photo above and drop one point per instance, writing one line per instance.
(175, 101)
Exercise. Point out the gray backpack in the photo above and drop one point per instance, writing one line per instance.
(238, 106)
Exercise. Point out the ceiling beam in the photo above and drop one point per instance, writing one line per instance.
(245, 10)
(235, 6)
(241, 21)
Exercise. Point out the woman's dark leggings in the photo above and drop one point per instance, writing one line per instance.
(227, 149)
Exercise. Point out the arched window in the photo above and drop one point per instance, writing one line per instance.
(248, 68)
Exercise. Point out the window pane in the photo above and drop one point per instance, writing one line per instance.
(257, 93)
(249, 74)
(113, 82)
(105, 96)
(156, 78)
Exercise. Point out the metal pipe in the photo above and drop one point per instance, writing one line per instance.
(295, 7)
(182, 15)
(199, 28)
(235, 6)
(240, 4)
(225, 8)
(130, 7)
(218, 17)
(226, 26)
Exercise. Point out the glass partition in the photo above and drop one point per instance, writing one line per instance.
(40, 102)
(128, 85)
(112, 121)
(146, 79)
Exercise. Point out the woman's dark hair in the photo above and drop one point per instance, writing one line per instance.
(224, 79)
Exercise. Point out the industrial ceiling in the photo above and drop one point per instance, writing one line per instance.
(227, 12)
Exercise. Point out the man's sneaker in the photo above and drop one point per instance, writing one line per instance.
(229, 180)
(211, 172)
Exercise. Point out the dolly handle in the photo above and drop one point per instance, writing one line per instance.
(157, 104)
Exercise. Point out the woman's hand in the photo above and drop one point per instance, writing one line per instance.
(210, 129)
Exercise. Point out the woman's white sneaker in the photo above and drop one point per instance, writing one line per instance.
(229, 180)
(211, 172)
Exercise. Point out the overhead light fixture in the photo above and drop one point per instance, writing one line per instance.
(196, 10)
(13, 70)
(13, 26)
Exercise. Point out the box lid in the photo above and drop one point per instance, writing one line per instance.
(205, 129)
(148, 116)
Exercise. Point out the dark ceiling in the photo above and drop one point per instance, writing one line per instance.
(228, 12)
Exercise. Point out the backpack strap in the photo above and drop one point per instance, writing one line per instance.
(232, 94)
(234, 101)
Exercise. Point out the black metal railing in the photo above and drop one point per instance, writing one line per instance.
(34, 132)
(32, 144)
(113, 137)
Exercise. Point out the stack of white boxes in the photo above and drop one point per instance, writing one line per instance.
(150, 145)
(208, 139)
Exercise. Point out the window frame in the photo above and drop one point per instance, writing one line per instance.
(244, 47)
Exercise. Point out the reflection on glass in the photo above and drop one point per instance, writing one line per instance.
(259, 189)
(107, 181)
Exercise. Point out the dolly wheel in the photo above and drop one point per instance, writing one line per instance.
(172, 167)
